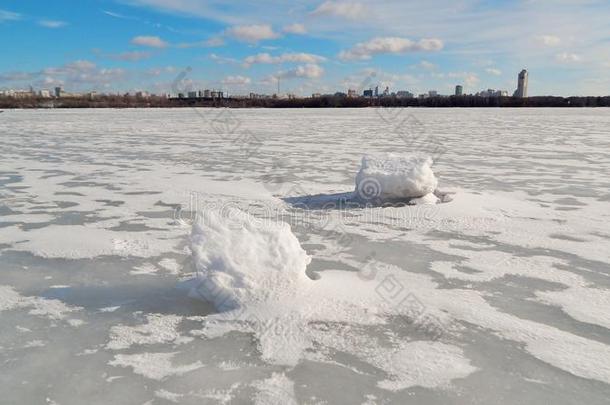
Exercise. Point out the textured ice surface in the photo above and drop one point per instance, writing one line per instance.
(500, 296)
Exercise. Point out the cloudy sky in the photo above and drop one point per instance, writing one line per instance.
(310, 46)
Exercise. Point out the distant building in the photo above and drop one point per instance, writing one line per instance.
(316, 95)
(58, 91)
(367, 93)
(522, 80)
(351, 93)
(376, 91)
(18, 93)
(142, 94)
(44, 93)
(489, 93)
(192, 94)
(459, 90)
(258, 96)
(207, 94)
(433, 93)
(404, 94)
(386, 92)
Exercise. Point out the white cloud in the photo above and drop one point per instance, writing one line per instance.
(494, 71)
(6, 15)
(549, 40)
(150, 41)
(83, 73)
(16, 76)
(369, 78)
(214, 41)
(52, 23)
(133, 56)
(208, 43)
(236, 80)
(469, 79)
(222, 59)
(252, 33)
(286, 57)
(295, 29)
(566, 57)
(80, 65)
(584, 28)
(349, 10)
(395, 45)
(427, 65)
(117, 15)
(308, 71)
(160, 71)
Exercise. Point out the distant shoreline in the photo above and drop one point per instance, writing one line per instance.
(318, 102)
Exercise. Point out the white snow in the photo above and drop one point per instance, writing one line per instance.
(591, 305)
(52, 309)
(276, 390)
(395, 177)
(144, 269)
(156, 366)
(424, 364)
(241, 262)
(171, 265)
(168, 395)
(9, 298)
(83, 242)
(281, 305)
(158, 329)
(427, 199)
(505, 286)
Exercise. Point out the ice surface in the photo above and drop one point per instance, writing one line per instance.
(255, 271)
(390, 176)
(500, 295)
(156, 366)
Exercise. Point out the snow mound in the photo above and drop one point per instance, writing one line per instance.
(391, 177)
(243, 261)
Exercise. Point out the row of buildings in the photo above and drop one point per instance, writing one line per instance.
(58, 92)
(521, 92)
(207, 94)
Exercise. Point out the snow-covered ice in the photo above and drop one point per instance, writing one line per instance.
(155, 256)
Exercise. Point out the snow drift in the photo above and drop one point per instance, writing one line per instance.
(393, 177)
(240, 260)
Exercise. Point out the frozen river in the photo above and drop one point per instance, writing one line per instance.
(501, 295)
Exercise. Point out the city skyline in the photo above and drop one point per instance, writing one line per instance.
(310, 46)
(181, 88)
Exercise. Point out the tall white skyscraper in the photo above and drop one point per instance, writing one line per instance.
(521, 91)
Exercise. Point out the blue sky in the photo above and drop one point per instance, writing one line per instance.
(311, 46)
